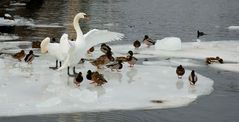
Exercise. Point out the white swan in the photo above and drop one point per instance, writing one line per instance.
(57, 50)
(60, 50)
(84, 42)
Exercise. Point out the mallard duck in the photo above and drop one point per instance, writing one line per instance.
(19, 55)
(122, 58)
(102, 60)
(180, 71)
(131, 59)
(36, 44)
(105, 48)
(200, 34)
(148, 41)
(118, 65)
(78, 79)
(136, 44)
(29, 58)
(96, 77)
(192, 78)
(210, 60)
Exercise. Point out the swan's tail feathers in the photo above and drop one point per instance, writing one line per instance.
(44, 45)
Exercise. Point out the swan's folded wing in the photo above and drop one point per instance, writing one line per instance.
(96, 36)
(64, 44)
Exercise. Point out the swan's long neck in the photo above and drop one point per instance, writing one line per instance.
(77, 28)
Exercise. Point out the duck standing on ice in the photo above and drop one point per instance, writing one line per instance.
(148, 41)
(29, 58)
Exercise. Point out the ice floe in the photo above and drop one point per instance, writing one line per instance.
(35, 89)
(233, 27)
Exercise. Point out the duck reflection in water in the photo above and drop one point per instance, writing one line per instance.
(131, 73)
(179, 84)
(100, 90)
(111, 76)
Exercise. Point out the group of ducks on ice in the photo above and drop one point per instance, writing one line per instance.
(74, 52)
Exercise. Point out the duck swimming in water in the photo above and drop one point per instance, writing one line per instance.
(19, 55)
(200, 34)
(96, 77)
(180, 71)
(192, 78)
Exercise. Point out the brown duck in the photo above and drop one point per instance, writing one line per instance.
(180, 71)
(136, 44)
(19, 55)
(115, 66)
(210, 60)
(96, 77)
(131, 59)
(78, 79)
(102, 60)
(192, 78)
(105, 48)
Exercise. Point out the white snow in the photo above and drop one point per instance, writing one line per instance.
(5, 37)
(168, 43)
(35, 89)
(16, 21)
(233, 27)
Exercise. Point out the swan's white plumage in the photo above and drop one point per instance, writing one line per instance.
(90, 39)
(57, 50)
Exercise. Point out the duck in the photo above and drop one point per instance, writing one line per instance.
(78, 79)
(148, 41)
(84, 42)
(200, 34)
(103, 60)
(192, 78)
(36, 44)
(96, 77)
(131, 59)
(117, 65)
(210, 60)
(180, 71)
(136, 44)
(105, 48)
(121, 58)
(29, 57)
(19, 55)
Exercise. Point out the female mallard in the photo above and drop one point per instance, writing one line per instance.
(96, 77)
(19, 55)
(180, 71)
(102, 60)
(192, 78)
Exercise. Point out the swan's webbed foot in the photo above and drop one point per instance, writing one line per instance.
(56, 67)
(68, 73)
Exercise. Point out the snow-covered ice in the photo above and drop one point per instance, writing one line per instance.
(233, 27)
(168, 43)
(5, 37)
(35, 89)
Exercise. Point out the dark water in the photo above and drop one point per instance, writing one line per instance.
(135, 18)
